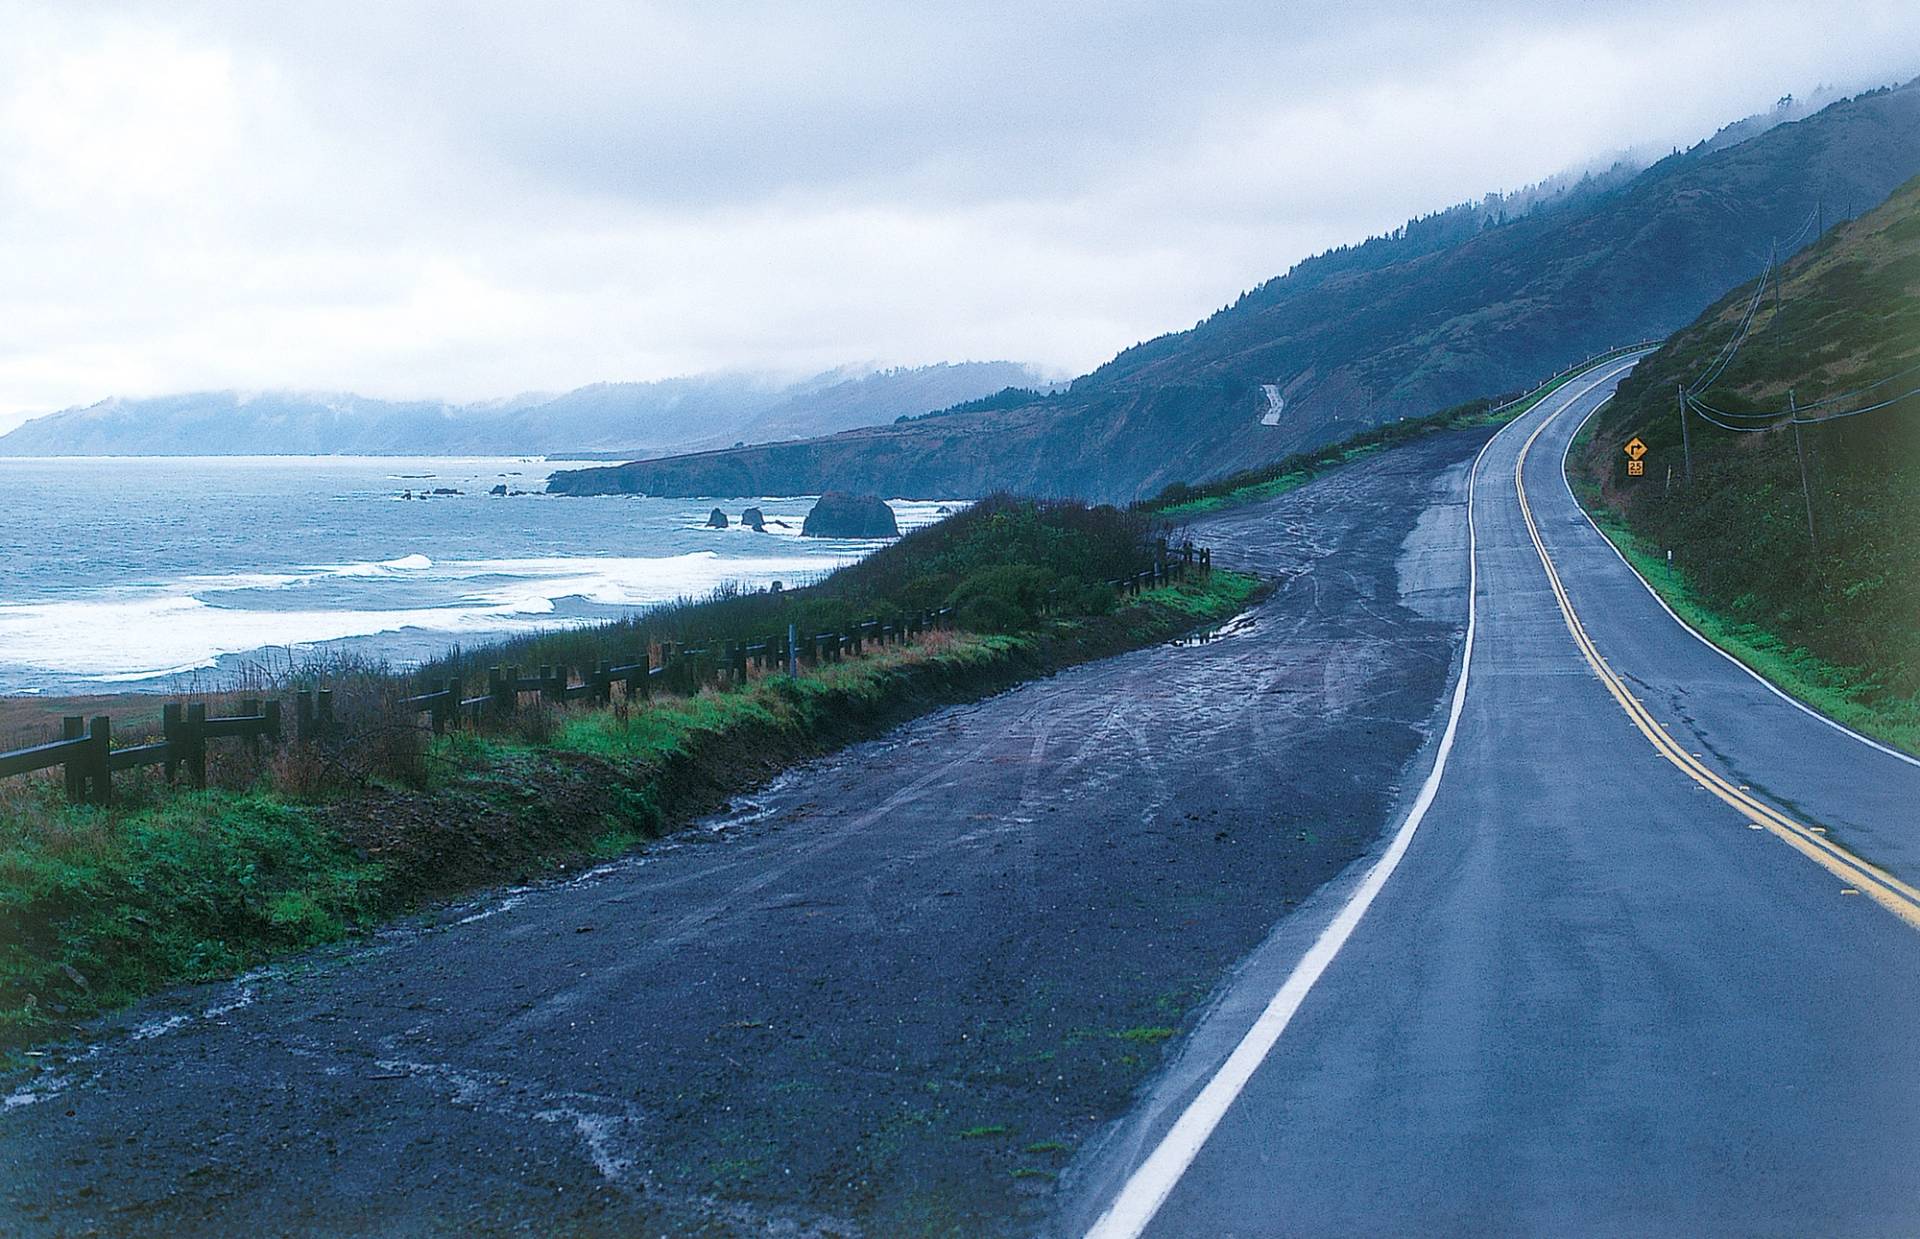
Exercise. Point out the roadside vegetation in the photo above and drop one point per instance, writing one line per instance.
(1181, 500)
(1829, 612)
(317, 841)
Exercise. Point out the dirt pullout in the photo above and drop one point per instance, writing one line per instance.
(892, 993)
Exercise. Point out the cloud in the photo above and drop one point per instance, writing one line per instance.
(471, 200)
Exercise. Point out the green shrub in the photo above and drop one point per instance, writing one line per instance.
(1014, 593)
(992, 613)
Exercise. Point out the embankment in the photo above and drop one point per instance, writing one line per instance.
(104, 905)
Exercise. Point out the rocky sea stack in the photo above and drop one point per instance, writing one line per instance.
(716, 519)
(840, 515)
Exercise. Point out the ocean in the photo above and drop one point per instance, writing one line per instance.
(123, 574)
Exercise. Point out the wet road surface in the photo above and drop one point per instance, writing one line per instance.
(896, 991)
(1594, 997)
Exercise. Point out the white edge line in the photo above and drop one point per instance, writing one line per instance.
(1151, 1182)
(1148, 1187)
(1699, 636)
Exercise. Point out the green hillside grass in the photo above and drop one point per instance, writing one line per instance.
(1832, 615)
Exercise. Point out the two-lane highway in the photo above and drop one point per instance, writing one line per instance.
(1622, 969)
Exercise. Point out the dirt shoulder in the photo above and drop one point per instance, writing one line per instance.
(893, 992)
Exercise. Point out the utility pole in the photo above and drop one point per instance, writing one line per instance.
(1686, 440)
(1800, 448)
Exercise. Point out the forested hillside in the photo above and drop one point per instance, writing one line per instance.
(1469, 303)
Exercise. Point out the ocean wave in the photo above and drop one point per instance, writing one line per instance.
(146, 634)
(379, 567)
(415, 586)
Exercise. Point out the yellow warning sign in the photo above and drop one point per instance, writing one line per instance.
(1636, 468)
(1635, 449)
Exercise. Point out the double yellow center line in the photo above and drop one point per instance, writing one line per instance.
(1885, 889)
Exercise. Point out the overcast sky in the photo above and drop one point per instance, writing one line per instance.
(475, 199)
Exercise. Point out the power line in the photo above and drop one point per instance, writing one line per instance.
(1813, 217)
(1790, 416)
(1732, 347)
(1739, 337)
(1837, 398)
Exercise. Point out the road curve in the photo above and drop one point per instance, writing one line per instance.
(1605, 990)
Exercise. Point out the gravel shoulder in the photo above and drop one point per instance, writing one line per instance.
(895, 991)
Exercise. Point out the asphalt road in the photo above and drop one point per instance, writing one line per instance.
(1594, 996)
(893, 993)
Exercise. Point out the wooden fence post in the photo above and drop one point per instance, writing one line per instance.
(73, 727)
(170, 729)
(250, 706)
(195, 734)
(323, 701)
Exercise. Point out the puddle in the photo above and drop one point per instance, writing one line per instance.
(761, 805)
(514, 899)
(1238, 626)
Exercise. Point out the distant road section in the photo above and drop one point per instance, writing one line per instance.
(1276, 404)
(1646, 966)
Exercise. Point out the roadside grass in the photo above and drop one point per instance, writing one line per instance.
(1850, 695)
(1271, 488)
(1182, 501)
(1797, 548)
(1145, 1035)
(103, 905)
(668, 725)
(100, 906)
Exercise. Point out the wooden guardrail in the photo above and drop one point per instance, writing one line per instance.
(87, 753)
(1619, 350)
(85, 749)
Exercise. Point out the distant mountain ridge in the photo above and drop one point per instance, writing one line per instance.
(1465, 303)
(632, 419)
